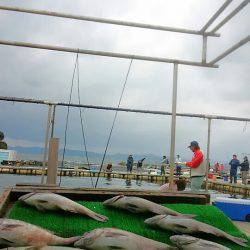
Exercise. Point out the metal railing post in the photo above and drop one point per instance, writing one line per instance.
(53, 120)
(173, 126)
(204, 49)
(46, 142)
(208, 151)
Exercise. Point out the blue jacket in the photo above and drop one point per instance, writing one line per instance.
(130, 162)
(234, 163)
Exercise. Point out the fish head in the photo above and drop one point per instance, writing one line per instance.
(155, 220)
(88, 238)
(26, 197)
(181, 240)
(112, 201)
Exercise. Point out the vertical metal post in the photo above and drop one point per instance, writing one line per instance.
(46, 142)
(208, 150)
(53, 161)
(53, 120)
(173, 126)
(204, 49)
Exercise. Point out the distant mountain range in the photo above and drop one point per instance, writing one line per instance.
(35, 153)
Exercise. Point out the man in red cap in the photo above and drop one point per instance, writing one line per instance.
(197, 165)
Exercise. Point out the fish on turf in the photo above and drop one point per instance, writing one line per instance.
(187, 242)
(51, 201)
(139, 205)
(190, 226)
(17, 233)
(116, 239)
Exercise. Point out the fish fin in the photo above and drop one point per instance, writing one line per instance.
(179, 229)
(7, 227)
(6, 242)
(133, 208)
(98, 217)
(114, 234)
(40, 208)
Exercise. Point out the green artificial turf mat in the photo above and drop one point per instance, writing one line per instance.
(67, 224)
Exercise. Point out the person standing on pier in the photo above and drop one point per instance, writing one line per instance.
(197, 165)
(234, 163)
(244, 170)
(139, 165)
(178, 165)
(130, 163)
(164, 164)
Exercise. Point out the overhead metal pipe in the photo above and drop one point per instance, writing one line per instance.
(231, 49)
(103, 53)
(231, 15)
(216, 14)
(105, 20)
(153, 112)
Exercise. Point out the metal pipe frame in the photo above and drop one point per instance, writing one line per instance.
(103, 53)
(202, 116)
(230, 50)
(108, 21)
(173, 126)
(46, 143)
(208, 150)
(230, 16)
(216, 14)
(204, 49)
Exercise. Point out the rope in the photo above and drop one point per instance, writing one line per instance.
(113, 124)
(81, 120)
(67, 119)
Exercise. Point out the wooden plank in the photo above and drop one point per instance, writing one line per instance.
(100, 194)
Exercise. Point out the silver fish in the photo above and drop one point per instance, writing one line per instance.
(139, 205)
(190, 226)
(112, 238)
(51, 201)
(17, 233)
(186, 242)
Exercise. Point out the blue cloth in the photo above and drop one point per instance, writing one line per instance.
(130, 163)
(234, 163)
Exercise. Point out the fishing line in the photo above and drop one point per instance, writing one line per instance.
(81, 120)
(67, 119)
(113, 124)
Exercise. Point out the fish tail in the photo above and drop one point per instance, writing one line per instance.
(239, 241)
(98, 217)
(188, 215)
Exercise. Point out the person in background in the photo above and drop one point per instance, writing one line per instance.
(197, 165)
(164, 163)
(130, 163)
(139, 166)
(178, 165)
(179, 185)
(244, 170)
(109, 170)
(234, 163)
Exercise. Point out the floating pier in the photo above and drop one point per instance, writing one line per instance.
(85, 173)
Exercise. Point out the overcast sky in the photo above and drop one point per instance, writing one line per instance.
(42, 74)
